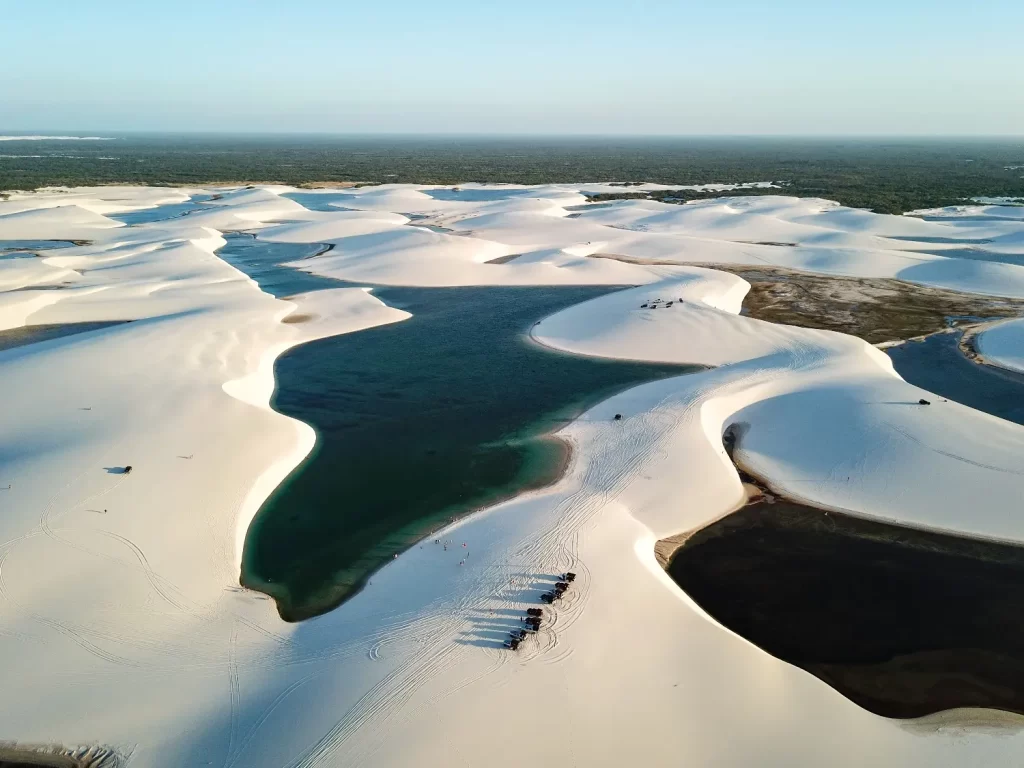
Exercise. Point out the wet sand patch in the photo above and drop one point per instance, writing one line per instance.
(299, 317)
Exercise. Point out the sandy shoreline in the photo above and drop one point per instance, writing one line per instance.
(555, 474)
(969, 344)
(278, 593)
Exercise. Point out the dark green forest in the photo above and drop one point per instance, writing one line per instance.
(888, 176)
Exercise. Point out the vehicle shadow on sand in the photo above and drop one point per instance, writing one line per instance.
(492, 628)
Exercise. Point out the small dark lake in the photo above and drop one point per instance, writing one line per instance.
(953, 240)
(903, 622)
(977, 217)
(972, 249)
(33, 334)
(473, 195)
(979, 254)
(417, 422)
(161, 212)
(593, 206)
(16, 249)
(330, 202)
(938, 365)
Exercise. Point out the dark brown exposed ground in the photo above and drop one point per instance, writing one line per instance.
(13, 755)
(875, 309)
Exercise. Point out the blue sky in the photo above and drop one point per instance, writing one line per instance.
(602, 66)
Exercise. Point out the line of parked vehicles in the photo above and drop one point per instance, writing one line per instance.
(534, 616)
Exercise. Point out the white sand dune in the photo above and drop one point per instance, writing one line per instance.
(332, 227)
(393, 198)
(804, 234)
(121, 621)
(102, 200)
(985, 277)
(1002, 344)
(68, 222)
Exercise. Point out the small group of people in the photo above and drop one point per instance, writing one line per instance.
(445, 544)
(655, 303)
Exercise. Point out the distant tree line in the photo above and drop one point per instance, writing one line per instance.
(891, 176)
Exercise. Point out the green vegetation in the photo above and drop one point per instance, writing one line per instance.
(890, 176)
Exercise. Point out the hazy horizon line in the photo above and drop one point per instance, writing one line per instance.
(60, 133)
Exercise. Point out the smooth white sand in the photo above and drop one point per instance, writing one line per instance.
(1002, 344)
(805, 234)
(120, 617)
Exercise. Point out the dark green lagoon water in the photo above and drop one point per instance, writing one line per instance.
(417, 422)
